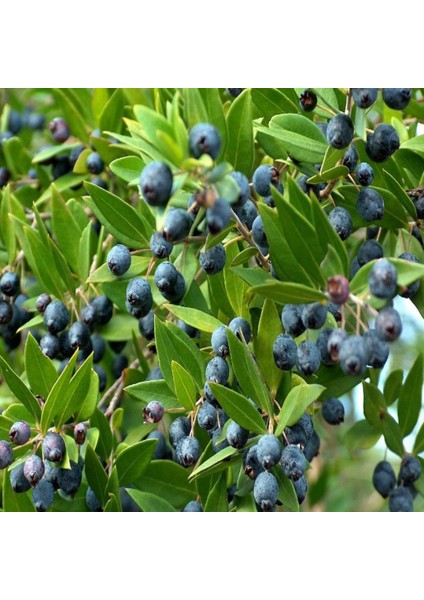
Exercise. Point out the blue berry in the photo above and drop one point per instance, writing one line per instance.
(179, 428)
(333, 411)
(56, 316)
(20, 432)
(160, 247)
(259, 234)
(54, 448)
(400, 500)
(103, 308)
(382, 143)
(364, 174)
(59, 130)
(243, 184)
(161, 450)
(364, 97)
(322, 344)
(18, 481)
(308, 100)
(301, 487)
(293, 462)
(219, 341)
(42, 302)
(241, 328)
(177, 224)
(265, 491)
(268, 451)
(340, 131)
(412, 288)
(234, 92)
(187, 451)
(156, 183)
(397, 98)
(188, 329)
(251, 463)
(368, 251)
(153, 412)
(118, 259)
(176, 294)
(217, 370)
(335, 310)
(247, 213)
(79, 335)
(312, 446)
(236, 435)
(263, 178)
(350, 159)
(60, 166)
(33, 469)
(50, 345)
(353, 355)
(388, 324)
(419, 207)
(101, 373)
(382, 279)
(314, 315)
(99, 347)
(204, 138)
(296, 435)
(377, 349)
(384, 478)
(154, 374)
(4, 176)
(6, 454)
(291, 318)
(410, 470)
(14, 122)
(340, 221)
(213, 261)
(120, 362)
(146, 326)
(308, 358)
(69, 480)
(43, 495)
(218, 215)
(139, 298)
(193, 506)
(370, 205)
(9, 284)
(166, 276)
(92, 501)
(6, 313)
(94, 163)
(216, 434)
(284, 352)
(354, 267)
(207, 416)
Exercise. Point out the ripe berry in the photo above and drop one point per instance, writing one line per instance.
(234, 92)
(340, 131)
(60, 166)
(118, 259)
(160, 247)
(98, 346)
(241, 328)
(382, 279)
(400, 500)
(384, 478)
(217, 370)
(4, 176)
(251, 463)
(216, 434)
(139, 299)
(176, 294)
(120, 362)
(179, 429)
(146, 326)
(103, 308)
(333, 411)
(388, 324)
(92, 501)
(187, 452)
(377, 349)
(243, 183)
(322, 344)
(236, 435)
(79, 335)
(101, 373)
(364, 174)
(188, 329)
(166, 276)
(153, 412)
(6, 312)
(18, 481)
(94, 163)
(247, 213)
(291, 318)
(312, 446)
(354, 267)
(370, 205)
(219, 341)
(364, 97)
(368, 251)
(338, 289)
(293, 462)
(342, 223)
(308, 100)
(335, 310)
(382, 143)
(301, 487)
(218, 215)
(193, 506)
(410, 470)
(268, 451)
(156, 183)
(56, 316)
(353, 355)
(350, 159)
(154, 374)
(177, 224)
(207, 416)
(213, 261)
(69, 480)
(308, 358)
(419, 207)
(397, 98)
(6, 454)
(80, 433)
(284, 352)
(33, 469)
(59, 130)
(19, 433)
(265, 491)
(42, 302)
(43, 495)
(9, 284)
(412, 288)
(54, 448)
(313, 315)
(204, 138)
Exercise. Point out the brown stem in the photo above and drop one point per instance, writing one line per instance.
(247, 236)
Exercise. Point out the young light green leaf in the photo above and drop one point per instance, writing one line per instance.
(40, 370)
(185, 388)
(19, 389)
(217, 498)
(296, 403)
(132, 461)
(194, 317)
(239, 408)
(150, 502)
(269, 328)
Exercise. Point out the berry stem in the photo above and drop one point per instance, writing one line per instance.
(246, 234)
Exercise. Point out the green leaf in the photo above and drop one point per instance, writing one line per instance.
(105, 441)
(407, 273)
(400, 193)
(139, 265)
(127, 168)
(19, 389)
(132, 461)
(393, 435)
(52, 151)
(39, 369)
(216, 116)
(119, 218)
(66, 230)
(111, 117)
(409, 404)
(217, 500)
(239, 408)
(288, 293)
(194, 108)
(112, 504)
(71, 113)
(269, 328)
(248, 375)
(271, 101)
(296, 403)
(153, 390)
(195, 318)
(13, 502)
(286, 491)
(168, 480)
(243, 256)
(216, 463)
(393, 386)
(120, 328)
(90, 401)
(361, 435)
(9, 205)
(174, 344)
(96, 475)
(150, 502)
(240, 151)
(185, 388)
(374, 404)
(419, 441)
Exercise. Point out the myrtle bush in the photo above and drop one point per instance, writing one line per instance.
(197, 285)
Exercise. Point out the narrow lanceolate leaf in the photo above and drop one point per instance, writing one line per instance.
(269, 328)
(76, 393)
(185, 388)
(217, 499)
(56, 394)
(168, 480)
(288, 293)
(393, 435)
(146, 391)
(216, 463)
(240, 151)
(39, 369)
(96, 475)
(119, 218)
(286, 491)
(239, 408)
(409, 404)
(19, 389)
(361, 435)
(248, 375)
(194, 317)
(419, 441)
(150, 502)
(295, 404)
(132, 461)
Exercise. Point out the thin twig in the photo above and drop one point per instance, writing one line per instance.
(247, 236)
